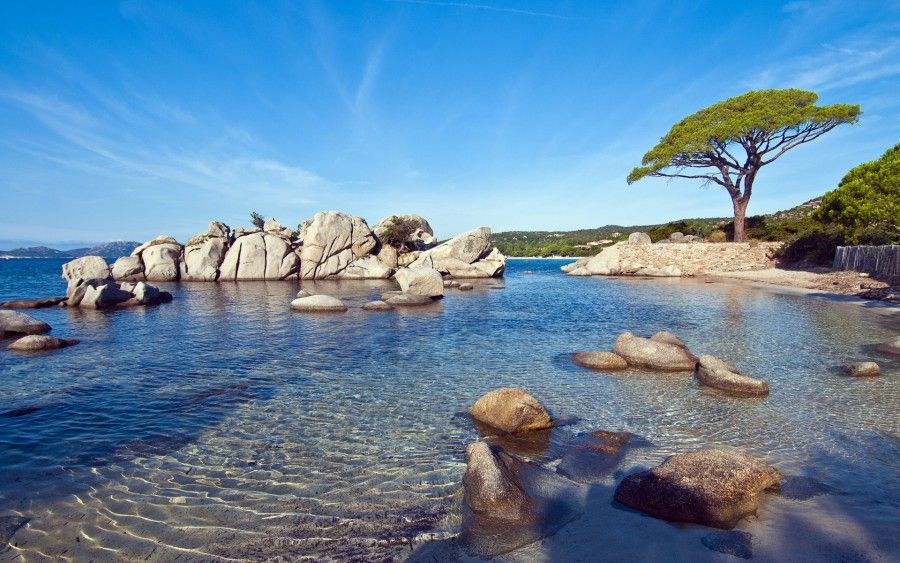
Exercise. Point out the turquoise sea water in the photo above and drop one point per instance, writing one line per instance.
(224, 425)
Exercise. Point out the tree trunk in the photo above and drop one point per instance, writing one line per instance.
(740, 212)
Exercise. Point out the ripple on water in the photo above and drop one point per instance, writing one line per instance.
(225, 426)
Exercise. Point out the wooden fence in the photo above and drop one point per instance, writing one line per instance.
(878, 261)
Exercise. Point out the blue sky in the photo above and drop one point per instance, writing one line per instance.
(125, 120)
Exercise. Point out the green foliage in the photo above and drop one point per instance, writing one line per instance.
(257, 220)
(868, 197)
(697, 227)
(814, 246)
(398, 230)
(760, 114)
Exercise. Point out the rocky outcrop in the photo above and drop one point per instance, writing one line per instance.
(647, 353)
(419, 234)
(490, 487)
(420, 281)
(510, 410)
(330, 245)
(107, 294)
(673, 260)
(40, 343)
(331, 242)
(468, 255)
(14, 323)
(862, 369)
(714, 372)
(606, 361)
(318, 304)
(714, 487)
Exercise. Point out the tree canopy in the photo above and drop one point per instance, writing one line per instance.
(728, 142)
(868, 196)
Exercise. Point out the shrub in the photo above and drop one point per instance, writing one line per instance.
(813, 247)
(257, 220)
(398, 231)
(717, 236)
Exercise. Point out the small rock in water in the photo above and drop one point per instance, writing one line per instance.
(590, 457)
(318, 304)
(862, 369)
(733, 542)
(378, 306)
(716, 487)
(647, 353)
(303, 293)
(803, 488)
(466, 287)
(408, 300)
(40, 343)
(721, 375)
(14, 322)
(510, 410)
(490, 487)
(599, 360)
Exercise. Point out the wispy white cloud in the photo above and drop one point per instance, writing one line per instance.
(834, 66)
(484, 7)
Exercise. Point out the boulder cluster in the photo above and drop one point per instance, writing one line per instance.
(28, 333)
(330, 245)
(506, 491)
(91, 286)
(666, 352)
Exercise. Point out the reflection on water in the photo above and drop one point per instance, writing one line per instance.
(224, 424)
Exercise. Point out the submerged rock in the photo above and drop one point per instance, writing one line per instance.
(407, 300)
(862, 369)
(15, 323)
(599, 360)
(32, 303)
(490, 487)
(714, 372)
(40, 343)
(318, 303)
(510, 410)
(378, 306)
(466, 287)
(891, 347)
(714, 487)
(591, 456)
(643, 352)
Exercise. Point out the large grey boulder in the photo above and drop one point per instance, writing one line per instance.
(318, 304)
(128, 268)
(161, 257)
(490, 487)
(40, 343)
(639, 238)
(204, 253)
(510, 410)
(85, 268)
(260, 256)
(606, 263)
(643, 352)
(331, 242)
(419, 237)
(715, 487)
(367, 268)
(103, 296)
(420, 281)
(714, 372)
(16, 323)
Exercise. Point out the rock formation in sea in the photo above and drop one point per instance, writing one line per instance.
(91, 285)
(329, 245)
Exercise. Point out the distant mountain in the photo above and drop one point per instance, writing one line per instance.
(107, 250)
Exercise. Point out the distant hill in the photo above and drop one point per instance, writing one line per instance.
(587, 242)
(107, 250)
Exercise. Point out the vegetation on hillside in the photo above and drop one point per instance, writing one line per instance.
(728, 142)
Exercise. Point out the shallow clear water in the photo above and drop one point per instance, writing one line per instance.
(225, 425)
